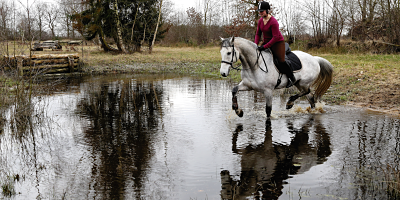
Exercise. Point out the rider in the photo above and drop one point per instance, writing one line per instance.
(273, 39)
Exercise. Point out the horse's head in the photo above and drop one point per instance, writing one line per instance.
(229, 55)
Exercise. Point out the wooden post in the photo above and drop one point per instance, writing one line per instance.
(71, 64)
(20, 63)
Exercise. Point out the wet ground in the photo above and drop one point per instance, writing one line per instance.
(170, 137)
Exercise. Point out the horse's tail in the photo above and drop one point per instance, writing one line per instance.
(325, 77)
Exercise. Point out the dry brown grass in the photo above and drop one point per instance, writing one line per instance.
(94, 55)
(367, 80)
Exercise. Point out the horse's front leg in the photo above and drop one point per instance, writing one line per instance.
(268, 102)
(235, 106)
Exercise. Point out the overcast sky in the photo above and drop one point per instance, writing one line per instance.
(183, 4)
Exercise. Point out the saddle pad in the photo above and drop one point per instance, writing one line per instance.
(294, 61)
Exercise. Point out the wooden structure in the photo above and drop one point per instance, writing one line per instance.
(44, 64)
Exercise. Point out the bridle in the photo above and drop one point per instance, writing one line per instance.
(238, 67)
(233, 54)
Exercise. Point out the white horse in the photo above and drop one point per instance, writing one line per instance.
(259, 73)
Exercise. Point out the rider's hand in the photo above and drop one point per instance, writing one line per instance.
(261, 48)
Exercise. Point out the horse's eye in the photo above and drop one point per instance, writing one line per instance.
(229, 53)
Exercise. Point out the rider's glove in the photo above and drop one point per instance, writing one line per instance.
(261, 48)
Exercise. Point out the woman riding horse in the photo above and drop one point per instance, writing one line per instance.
(273, 39)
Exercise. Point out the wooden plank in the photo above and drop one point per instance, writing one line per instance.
(48, 66)
(45, 56)
(47, 71)
(47, 61)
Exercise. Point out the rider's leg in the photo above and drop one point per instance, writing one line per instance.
(278, 50)
(289, 73)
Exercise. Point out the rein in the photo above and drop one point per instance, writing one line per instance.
(259, 66)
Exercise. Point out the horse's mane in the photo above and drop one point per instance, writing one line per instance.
(248, 41)
(226, 42)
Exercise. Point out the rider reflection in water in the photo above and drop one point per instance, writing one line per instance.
(273, 39)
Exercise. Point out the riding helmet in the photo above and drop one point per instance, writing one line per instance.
(263, 5)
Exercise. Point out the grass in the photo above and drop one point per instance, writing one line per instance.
(363, 77)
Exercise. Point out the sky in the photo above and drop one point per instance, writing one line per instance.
(183, 4)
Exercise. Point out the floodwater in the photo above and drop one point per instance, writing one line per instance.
(171, 137)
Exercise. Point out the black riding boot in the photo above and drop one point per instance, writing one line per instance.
(289, 73)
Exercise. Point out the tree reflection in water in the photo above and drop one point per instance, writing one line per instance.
(122, 118)
(265, 167)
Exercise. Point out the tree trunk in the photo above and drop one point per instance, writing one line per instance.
(104, 44)
(134, 22)
(118, 26)
(155, 32)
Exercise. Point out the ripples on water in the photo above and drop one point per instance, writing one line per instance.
(155, 137)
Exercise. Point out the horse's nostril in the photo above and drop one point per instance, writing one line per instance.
(223, 74)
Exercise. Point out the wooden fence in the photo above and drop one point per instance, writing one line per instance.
(44, 64)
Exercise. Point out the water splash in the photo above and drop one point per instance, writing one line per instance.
(319, 108)
(276, 114)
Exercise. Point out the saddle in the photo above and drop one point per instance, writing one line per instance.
(291, 58)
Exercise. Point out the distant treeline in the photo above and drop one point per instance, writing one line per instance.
(127, 26)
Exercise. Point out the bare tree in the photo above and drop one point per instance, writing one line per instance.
(40, 18)
(155, 32)
(389, 18)
(27, 9)
(73, 7)
(65, 19)
(367, 10)
(52, 14)
(292, 21)
(352, 16)
(5, 14)
(317, 13)
(338, 17)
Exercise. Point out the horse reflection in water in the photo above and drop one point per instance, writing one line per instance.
(265, 167)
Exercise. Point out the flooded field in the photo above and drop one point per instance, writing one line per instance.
(170, 137)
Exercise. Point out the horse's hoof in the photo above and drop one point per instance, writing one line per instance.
(239, 112)
(289, 105)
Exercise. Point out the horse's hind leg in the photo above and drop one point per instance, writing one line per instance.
(293, 98)
(311, 100)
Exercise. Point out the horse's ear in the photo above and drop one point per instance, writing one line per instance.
(232, 39)
(222, 39)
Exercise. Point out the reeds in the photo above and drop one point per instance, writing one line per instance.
(392, 180)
